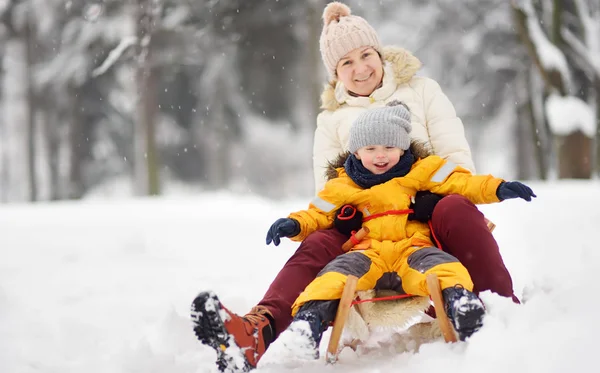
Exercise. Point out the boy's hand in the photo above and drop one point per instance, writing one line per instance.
(347, 219)
(284, 227)
(423, 206)
(514, 189)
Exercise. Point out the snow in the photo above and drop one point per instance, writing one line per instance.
(569, 114)
(114, 55)
(106, 285)
(590, 21)
(550, 56)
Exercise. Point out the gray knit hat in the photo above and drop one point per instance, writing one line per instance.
(389, 126)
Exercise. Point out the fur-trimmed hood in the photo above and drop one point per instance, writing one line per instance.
(404, 64)
(418, 149)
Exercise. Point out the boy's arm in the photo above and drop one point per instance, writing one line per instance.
(444, 177)
(320, 212)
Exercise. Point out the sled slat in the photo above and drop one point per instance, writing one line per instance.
(340, 318)
(433, 284)
(362, 233)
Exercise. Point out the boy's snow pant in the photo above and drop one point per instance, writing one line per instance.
(458, 226)
(403, 266)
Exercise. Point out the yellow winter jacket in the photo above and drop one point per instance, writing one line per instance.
(387, 200)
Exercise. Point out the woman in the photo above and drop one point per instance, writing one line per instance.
(363, 75)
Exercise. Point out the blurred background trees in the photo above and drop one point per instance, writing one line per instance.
(142, 96)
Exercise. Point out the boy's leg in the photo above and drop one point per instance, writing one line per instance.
(303, 336)
(464, 309)
(462, 231)
(329, 283)
(316, 307)
(420, 262)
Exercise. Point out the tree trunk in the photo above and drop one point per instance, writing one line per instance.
(529, 143)
(29, 41)
(217, 150)
(146, 173)
(4, 159)
(50, 133)
(574, 151)
(597, 145)
(75, 188)
(551, 77)
(314, 61)
(539, 142)
(575, 156)
(16, 122)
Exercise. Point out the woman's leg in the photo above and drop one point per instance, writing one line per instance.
(462, 231)
(255, 331)
(316, 251)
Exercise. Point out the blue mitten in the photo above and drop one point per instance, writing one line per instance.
(514, 189)
(284, 227)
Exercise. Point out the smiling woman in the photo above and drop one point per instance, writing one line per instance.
(363, 75)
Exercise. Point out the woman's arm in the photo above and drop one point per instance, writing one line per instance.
(326, 148)
(446, 131)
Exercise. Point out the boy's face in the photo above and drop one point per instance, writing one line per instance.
(379, 158)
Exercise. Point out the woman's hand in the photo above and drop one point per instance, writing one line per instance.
(423, 207)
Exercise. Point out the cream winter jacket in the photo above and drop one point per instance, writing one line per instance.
(433, 116)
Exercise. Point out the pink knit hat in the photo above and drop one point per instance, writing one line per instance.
(342, 33)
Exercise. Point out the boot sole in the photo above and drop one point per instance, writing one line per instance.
(470, 322)
(210, 330)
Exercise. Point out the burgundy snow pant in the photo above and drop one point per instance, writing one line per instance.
(457, 224)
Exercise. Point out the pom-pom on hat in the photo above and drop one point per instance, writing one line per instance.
(343, 32)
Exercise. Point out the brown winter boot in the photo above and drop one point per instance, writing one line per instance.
(240, 342)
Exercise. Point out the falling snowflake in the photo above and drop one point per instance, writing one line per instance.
(92, 12)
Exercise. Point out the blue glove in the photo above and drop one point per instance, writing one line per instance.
(284, 227)
(514, 189)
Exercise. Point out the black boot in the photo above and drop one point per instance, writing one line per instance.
(303, 336)
(464, 309)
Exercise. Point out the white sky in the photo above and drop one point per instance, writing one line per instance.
(106, 286)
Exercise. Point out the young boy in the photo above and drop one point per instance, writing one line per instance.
(379, 178)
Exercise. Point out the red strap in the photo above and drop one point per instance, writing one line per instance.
(437, 242)
(390, 212)
(353, 238)
(342, 217)
(391, 297)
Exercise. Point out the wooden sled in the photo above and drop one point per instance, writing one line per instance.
(349, 309)
(346, 303)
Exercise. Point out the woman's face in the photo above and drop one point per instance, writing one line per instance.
(361, 70)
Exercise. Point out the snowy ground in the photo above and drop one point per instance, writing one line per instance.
(105, 286)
